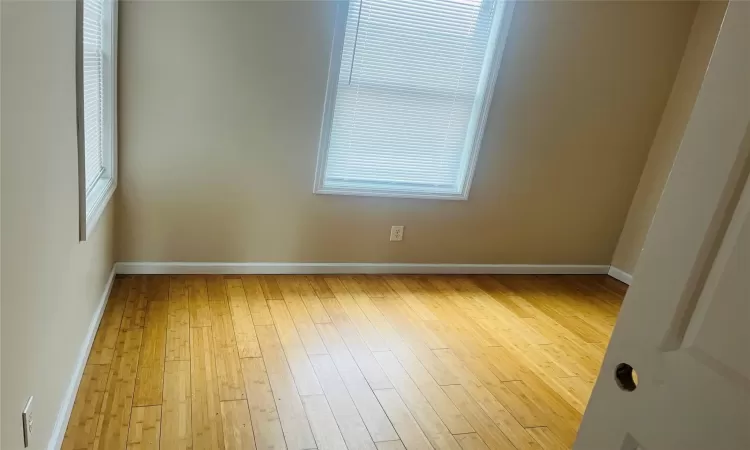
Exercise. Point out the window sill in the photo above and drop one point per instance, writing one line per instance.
(96, 203)
(391, 193)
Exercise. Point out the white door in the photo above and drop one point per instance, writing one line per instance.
(685, 323)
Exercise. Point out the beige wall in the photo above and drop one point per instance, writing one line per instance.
(220, 114)
(669, 135)
(51, 283)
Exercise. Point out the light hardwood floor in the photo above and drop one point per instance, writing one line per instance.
(337, 362)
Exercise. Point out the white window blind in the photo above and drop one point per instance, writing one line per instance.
(96, 56)
(93, 90)
(410, 98)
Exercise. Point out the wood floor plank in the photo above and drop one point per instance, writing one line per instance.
(368, 332)
(256, 300)
(115, 412)
(558, 408)
(320, 287)
(178, 322)
(134, 314)
(471, 309)
(548, 408)
(344, 328)
(412, 374)
(504, 364)
(263, 414)
(590, 299)
(586, 358)
(206, 410)
(375, 285)
(145, 428)
(455, 309)
(411, 434)
(582, 329)
(391, 445)
(228, 369)
(105, 341)
(499, 309)
(311, 290)
(297, 316)
(538, 293)
(434, 425)
(200, 315)
(150, 378)
(157, 287)
(471, 383)
(294, 350)
(524, 412)
(403, 318)
(369, 409)
(270, 288)
(345, 412)
(547, 439)
(244, 325)
(487, 401)
(485, 427)
(472, 441)
(238, 427)
(541, 362)
(579, 391)
(405, 347)
(217, 289)
(176, 422)
(505, 296)
(297, 311)
(419, 308)
(291, 412)
(323, 424)
(84, 417)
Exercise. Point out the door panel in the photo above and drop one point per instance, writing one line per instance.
(685, 322)
(720, 327)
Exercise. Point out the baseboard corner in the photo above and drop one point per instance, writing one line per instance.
(620, 275)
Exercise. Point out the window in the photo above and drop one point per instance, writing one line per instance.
(96, 97)
(408, 94)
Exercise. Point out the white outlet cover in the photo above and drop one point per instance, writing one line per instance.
(28, 422)
(397, 232)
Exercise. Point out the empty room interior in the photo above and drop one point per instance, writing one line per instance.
(306, 224)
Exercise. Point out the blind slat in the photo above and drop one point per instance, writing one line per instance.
(408, 93)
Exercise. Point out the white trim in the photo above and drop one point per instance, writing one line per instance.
(270, 268)
(334, 66)
(99, 198)
(63, 414)
(505, 10)
(92, 204)
(621, 275)
(488, 79)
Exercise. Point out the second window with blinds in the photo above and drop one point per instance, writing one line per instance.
(96, 97)
(409, 89)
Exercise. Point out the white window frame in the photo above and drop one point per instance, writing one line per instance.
(92, 206)
(498, 37)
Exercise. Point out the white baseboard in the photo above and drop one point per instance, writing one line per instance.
(63, 415)
(621, 275)
(163, 268)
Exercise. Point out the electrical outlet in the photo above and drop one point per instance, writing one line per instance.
(397, 232)
(28, 423)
